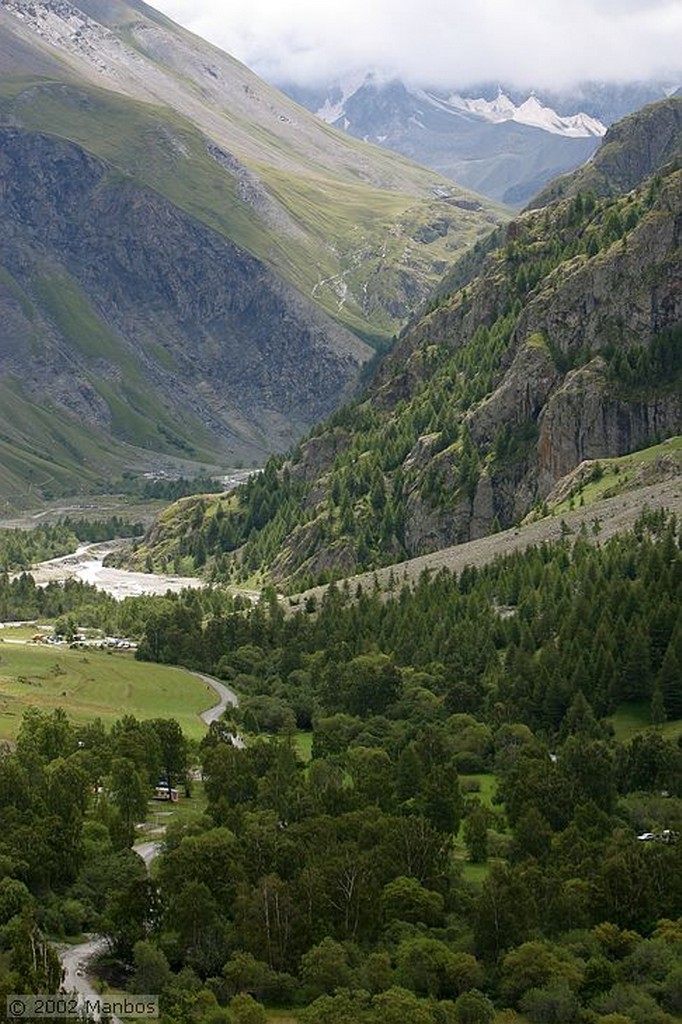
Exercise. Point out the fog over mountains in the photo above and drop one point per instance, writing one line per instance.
(504, 142)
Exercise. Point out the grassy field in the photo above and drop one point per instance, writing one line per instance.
(617, 474)
(92, 684)
(487, 787)
(161, 814)
(634, 718)
(303, 744)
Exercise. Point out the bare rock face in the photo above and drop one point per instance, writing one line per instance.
(626, 293)
(422, 453)
(308, 554)
(317, 455)
(585, 420)
(482, 508)
(521, 394)
(428, 528)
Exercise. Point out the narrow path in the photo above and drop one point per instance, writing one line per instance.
(227, 698)
(148, 851)
(75, 959)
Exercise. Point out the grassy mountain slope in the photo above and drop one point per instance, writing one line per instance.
(565, 346)
(221, 240)
(143, 325)
(332, 215)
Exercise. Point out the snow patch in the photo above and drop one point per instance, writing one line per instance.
(331, 112)
(531, 112)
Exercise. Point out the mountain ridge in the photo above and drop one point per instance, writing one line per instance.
(292, 164)
(557, 348)
(492, 138)
(506, 150)
(339, 236)
(130, 305)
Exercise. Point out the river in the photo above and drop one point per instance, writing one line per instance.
(87, 564)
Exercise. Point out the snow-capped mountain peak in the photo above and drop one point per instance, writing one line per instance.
(531, 112)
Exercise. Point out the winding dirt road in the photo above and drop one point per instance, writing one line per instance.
(228, 699)
(75, 960)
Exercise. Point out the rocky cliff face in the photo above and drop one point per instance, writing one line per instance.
(113, 299)
(583, 419)
(586, 309)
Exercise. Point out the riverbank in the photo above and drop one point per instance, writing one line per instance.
(87, 565)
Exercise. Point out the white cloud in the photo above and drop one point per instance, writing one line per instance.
(448, 42)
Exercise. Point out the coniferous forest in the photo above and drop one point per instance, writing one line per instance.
(438, 814)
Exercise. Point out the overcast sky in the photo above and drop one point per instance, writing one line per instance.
(444, 42)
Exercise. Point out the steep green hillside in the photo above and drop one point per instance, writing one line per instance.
(347, 224)
(597, 479)
(561, 348)
(219, 241)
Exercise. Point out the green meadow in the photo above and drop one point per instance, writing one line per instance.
(610, 476)
(91, 684)
(633, 718)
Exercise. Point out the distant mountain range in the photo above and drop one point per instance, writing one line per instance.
(503, 143)
(532, 113)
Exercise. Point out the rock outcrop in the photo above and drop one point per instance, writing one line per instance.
(631, 151)
(584, 419)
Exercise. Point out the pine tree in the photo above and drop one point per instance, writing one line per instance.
(635, 679)
(669, 680)
(658, 713)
